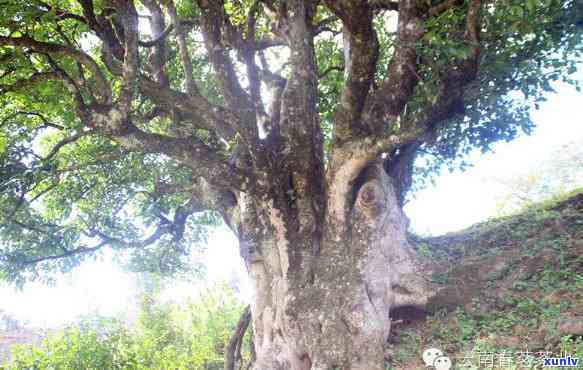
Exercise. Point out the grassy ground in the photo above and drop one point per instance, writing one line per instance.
(511, 290)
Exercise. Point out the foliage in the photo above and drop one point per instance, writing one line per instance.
(518, 69)
(166, 336)
(69, 188)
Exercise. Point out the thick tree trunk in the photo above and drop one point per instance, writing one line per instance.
(326, 305)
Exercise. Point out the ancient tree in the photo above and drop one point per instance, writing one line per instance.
(301, 124)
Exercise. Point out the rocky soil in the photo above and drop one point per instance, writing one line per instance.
(510, 291)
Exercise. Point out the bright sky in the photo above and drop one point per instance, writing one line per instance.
(456, 201)
(460, 199)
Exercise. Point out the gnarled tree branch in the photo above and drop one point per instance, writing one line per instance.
(103, 88)
(215, 24)
(360, 57)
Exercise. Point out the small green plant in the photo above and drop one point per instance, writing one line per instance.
(167, 336)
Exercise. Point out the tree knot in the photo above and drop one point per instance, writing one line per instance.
(371, 199)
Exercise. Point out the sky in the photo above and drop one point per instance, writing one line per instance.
(461, 199)
(457, 200)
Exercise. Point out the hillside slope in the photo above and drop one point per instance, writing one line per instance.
(510, 290)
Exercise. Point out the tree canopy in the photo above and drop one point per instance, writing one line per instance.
(134, 124)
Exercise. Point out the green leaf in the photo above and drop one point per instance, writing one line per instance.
(531, 6)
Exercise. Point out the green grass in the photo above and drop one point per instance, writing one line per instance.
(526, 275)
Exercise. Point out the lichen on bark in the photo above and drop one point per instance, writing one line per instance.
(339, 317)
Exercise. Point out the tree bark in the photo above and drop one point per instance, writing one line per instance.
(328, 308)
(233, 352)
(322, 232)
